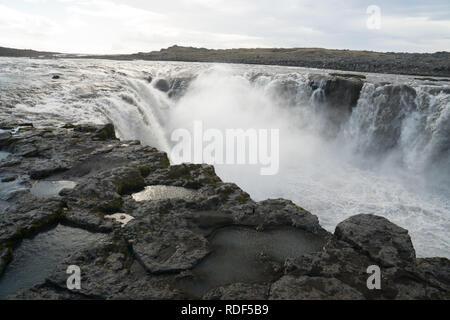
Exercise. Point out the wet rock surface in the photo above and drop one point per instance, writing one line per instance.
(312, 288)
(393, 110)
(35, 258)
(162, 85)
(382, 240)
(170, 240)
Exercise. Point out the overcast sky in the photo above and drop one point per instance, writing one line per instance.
(117, 26)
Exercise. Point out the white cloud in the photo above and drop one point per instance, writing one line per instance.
(417, 27)
(113, 26)
(16, 26)
(107, 9)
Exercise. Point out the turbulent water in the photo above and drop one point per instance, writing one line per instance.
(388, 155)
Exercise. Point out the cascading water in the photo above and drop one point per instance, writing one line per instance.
(381, 147)
(133, 115)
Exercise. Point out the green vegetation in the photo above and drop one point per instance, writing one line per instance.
(165, 208)
(111, 206)
(210, 177)
(133, 182)
(225, 192)
(179, 172)
(46, 221)
(106, 133)
(145, 170)
(165, 163)
(243, 197)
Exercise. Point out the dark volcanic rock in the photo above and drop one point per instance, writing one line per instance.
(336, 96)
(239, 291)
(162, 85)
(179, 86)
(5, 138)
(166, 240)
(382, 240)
(5, 258)
(435, 270)
(342, 93)
(312, 288)
(106, 133)
(9, 178)
(357, 244)
(391, 104)
(281, 212)
(46, 171)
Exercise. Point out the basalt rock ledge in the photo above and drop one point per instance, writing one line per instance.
(171, 240)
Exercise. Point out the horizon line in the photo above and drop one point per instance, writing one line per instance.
(216, 49)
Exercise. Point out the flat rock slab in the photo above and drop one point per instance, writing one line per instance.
(312, 288)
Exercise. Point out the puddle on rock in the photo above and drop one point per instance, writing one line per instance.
(35, 259)
(161, 192)
(244, 255)
(10, 189)
(3, 206)
(4, 155)
(46, 189)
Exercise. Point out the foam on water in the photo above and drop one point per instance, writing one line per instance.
(163, 192)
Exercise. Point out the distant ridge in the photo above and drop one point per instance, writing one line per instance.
(430, 64)
(11, 52)
(425, 64)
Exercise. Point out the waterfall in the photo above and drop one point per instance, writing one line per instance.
(347, 146)
(139, 112)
